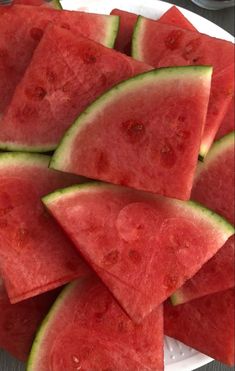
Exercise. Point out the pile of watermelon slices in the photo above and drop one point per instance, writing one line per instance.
(103, 120)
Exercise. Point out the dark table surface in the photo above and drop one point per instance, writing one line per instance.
(225, 19)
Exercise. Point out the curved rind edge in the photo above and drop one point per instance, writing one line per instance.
(114, 24)
(216, 149)
(135, 36)
(59, 157)
(7, 146)
(23, 157)
(206, 213)
(54, 308)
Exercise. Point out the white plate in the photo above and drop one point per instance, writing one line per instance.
(178, 357)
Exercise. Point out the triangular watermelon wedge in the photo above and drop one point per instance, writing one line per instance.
(206, 324)
(162, 45)
(49, 3)
(86, 329)
(146, 137)
(35, 255)
(15, 55)
(58, 86)
(175, 17)
(214, 188)
(140, 245)
(19, 322)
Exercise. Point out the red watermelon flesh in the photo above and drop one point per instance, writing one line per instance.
(58, 85)
(175, 17)
(50, 3)
(222, 90)
(133, 240)
(150, 139)
(35, 255)
(126, 27)
(228, 123)
(214, 188)
(163, 45)
(21, 28)
(19, 322)
(206, 324)
(101, 337)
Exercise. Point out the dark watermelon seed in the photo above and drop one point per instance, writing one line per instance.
(135, 130)
(36, 33)
(111, 258)
(89, 58)
(173, 39)
(37, 93)
(66, 26)
(134, 256)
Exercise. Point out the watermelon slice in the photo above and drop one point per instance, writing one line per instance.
(58, 86)
(206, 324)
(35, 255)
(163, 45)
(214, 187)
(133, 240)
(15, 56)
(228, 123)
(101, 337)
(19, 322)
(146, 137)
(50, 3)
(175, 17)
(127, 23)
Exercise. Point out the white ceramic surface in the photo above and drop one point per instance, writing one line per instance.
(178, 357)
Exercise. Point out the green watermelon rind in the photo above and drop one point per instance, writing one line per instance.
(46, 322)
(61, 155)
(135, 44)
(114, 24)
(57, 4)
(207, 214)
(217, 149)
(8, 159)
